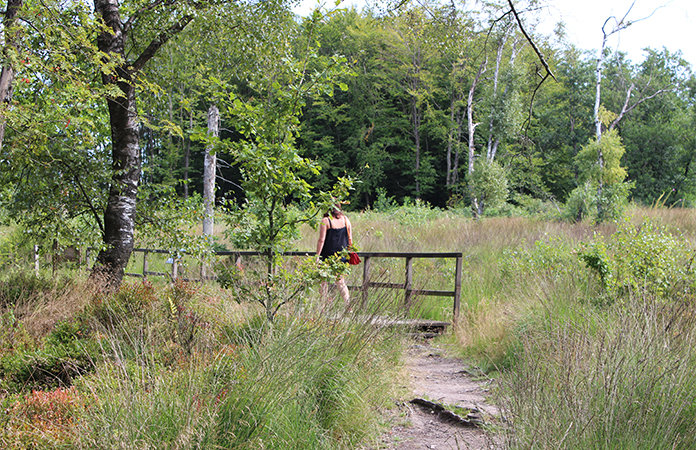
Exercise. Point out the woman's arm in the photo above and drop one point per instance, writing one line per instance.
(349, 227)
(322, 236)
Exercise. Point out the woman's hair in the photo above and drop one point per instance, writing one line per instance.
(335, 213)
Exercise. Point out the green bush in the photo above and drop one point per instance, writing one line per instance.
(551, 257)
(415, 213)
(56, 364)
(490, 184)
(585, 202)
(641, 259)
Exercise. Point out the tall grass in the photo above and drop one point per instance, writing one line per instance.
(622, 380)
(302, 382)
(593, 364)
(180, 367)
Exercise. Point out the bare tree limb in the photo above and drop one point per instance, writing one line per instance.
(532, 43)
(627, 109)
(618, 26)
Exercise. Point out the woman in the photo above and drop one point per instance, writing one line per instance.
(335, 235)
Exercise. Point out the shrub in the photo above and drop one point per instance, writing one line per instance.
(44, 420)
(642, 258)
(68, 353)
(490, 184)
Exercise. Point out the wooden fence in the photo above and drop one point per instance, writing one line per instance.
(367, 282)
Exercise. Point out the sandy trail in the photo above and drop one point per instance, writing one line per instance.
(441, 380)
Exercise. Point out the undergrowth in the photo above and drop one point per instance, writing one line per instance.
(179, 366)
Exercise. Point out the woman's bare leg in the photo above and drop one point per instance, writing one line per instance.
(343, 289)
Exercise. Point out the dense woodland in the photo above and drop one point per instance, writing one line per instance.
(451, 104)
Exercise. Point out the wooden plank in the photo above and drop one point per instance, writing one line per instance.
(432, 293)
(362, 254)
(386, 285)
(457, 288)
(409, 280)
(408, 255)
(416, 324)
(366, 278)
(155, 274)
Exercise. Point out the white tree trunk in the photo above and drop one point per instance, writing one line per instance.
(7, 75)
(499, 56)
(472, 128)
(209, 171)
(470, 116)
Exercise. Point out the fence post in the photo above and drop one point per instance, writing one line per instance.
(146, 269)
(175, 267)
(457, 287)
(36, 259)
(366, 278)
(409, 280)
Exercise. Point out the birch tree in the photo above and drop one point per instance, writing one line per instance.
(209, 169)
(9, 53)
(125, 65)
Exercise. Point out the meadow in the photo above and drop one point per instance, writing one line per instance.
(588, 331)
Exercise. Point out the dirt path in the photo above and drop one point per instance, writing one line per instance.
(436, 380)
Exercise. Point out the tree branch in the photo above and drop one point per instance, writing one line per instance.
(627, 109)
(158, 42)
(532, 43)
(94, 211)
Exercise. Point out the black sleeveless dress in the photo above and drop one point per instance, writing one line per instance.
(336, 240)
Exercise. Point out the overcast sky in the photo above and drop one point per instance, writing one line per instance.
(667, 23)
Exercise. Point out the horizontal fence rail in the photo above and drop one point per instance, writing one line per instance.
(364, 287)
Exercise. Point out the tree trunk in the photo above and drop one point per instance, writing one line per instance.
(416, 122)
(119, 216)
(187, 156)
(598, 90)
(7, 75)
(598, 120)
(209, 171)
(450, 141)
(458, 146)
(454, 140)
(493, 142)
(472, 129)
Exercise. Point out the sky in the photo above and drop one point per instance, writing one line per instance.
(667, 23)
